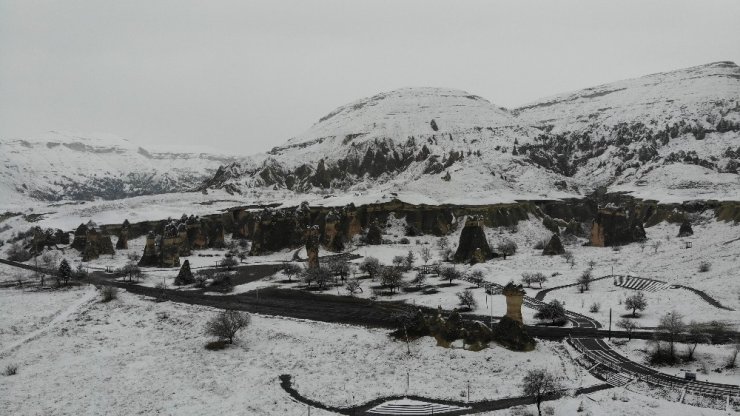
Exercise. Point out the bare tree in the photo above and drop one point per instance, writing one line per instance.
(476, 276)
(569, 258)
(353, 286)
(391, 278)
(540, 384)
(227, 324)
(467, 299)
(584, 282)
(628, 325)
(371, 266)
(670, 327)
(450, 273)
(732, 358)
(591, 264)
(636, 302)
(419, 279)
(656, 245)
(507, 248)
(425, 254)
(290, 270)
(228, 262)
(695, 333)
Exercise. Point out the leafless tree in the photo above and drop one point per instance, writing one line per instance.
(636, 302)
(353, 286)
(584, 282)
(540, 384)
(628, 325)
(290, 270)
(670, 327)
(467, 299)
(425, 254)
(656, 245)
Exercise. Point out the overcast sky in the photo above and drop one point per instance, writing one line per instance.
(243, 76)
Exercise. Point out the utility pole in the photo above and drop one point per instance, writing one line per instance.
(468, 391)
(610, 324)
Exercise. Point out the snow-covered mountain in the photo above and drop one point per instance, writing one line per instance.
(60, 166)
(436, 142)
(673, 135)
(668, 136)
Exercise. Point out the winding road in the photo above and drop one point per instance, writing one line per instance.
(584, 335)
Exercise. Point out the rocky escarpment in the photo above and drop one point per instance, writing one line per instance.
(274, 229)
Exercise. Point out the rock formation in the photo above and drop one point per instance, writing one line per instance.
(333, 239)
(685, 230)
(374, 234)
(169, 251)
(122, 243)
(614, 226)
(554, 247)
(150, 258)
(46, 238)
(92, 242)
(510, 329)
(312, 246)
(473, 239)
(185, 276)
(514, 299)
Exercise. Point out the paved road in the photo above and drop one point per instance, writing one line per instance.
(617, 370)
(584, 335)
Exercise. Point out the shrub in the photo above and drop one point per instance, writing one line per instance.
(16, 252)
(227, 324)
(595, 307)
(11, 370)
(216, 345)
(404, 240)
(704, 266)
(467, 300)
(108, 293)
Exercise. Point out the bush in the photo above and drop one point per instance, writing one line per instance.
(16, 252)
(704, 266)
(216, 345)
(227, 324)
(404, 240)
(108, 293)
(11, 370)
(595, 307)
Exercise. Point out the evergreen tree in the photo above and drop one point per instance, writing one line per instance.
(65, 271)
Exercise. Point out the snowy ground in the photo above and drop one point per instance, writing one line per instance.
(133, 355)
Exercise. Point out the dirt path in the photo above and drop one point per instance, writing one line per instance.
(470, 407)
(80, 304)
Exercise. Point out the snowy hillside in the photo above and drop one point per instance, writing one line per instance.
(59, 166)
(669, 136)
(440, 143)
(673, 135)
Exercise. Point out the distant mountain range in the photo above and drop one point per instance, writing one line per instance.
(673, 135)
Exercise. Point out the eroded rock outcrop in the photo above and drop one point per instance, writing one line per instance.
(473, 246)
(97, 243)
(150, 258)
(312, 246)
(685, 230)
(122, 242)
(554, 247)
(615, 226)
(185, 276)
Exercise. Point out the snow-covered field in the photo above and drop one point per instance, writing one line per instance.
(133, 356)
